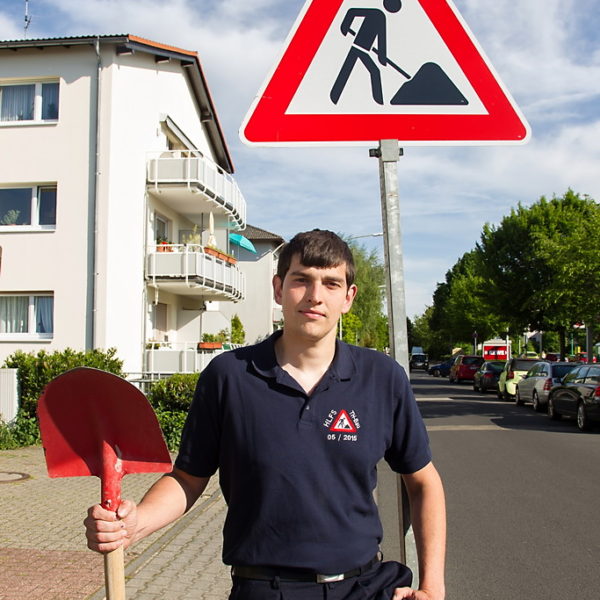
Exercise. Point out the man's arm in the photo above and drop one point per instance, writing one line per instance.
(169, 498)
(428, 513)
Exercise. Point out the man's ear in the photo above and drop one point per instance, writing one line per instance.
(350, 295)
(277, 288)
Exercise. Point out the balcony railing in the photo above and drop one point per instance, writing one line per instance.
(198, 174)
(166, 358)
(189, 269)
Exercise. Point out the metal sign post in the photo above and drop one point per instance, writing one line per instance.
(389, 153)
(391, 498)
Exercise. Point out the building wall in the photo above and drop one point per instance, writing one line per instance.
(51, 261)
(140, 93)
(136, 92)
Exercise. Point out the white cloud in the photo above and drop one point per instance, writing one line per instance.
(8, 28)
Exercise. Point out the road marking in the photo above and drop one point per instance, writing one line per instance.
(465, 428)
(461, 399)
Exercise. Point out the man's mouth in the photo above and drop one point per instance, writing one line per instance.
(312, 314)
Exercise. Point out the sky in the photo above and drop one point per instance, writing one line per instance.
(546, 52)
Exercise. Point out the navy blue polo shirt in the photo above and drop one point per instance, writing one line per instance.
(298, 471)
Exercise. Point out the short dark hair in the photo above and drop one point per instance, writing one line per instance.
(317, 248)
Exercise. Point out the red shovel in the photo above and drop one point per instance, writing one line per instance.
(95, 423)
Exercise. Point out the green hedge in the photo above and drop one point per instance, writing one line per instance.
(171, 398)
(35, 371)
(173, 393)
(23, 431)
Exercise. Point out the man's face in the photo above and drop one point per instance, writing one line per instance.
(313, 299)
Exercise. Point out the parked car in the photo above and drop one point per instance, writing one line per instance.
(441, 369)
(418, 361)
(578, 395)
(464, 367)
(540, 379)
(514, 370)
(486, 377)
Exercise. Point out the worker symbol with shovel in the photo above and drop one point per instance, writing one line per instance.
(430, 85)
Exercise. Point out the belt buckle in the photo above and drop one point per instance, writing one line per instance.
(329, 578)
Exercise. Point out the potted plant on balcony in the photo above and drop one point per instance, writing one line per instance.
(192, 238)
(213, 341)
(220, 254)
(163, 244)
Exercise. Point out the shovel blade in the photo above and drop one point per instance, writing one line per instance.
(88, 415)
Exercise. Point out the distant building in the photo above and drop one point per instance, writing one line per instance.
(115, 178)
(259, 313)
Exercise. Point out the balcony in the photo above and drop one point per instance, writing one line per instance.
(166, 358)
(193, 185)
(189, 270)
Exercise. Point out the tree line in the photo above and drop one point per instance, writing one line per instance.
(538, 270)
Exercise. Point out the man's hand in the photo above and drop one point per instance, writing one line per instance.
(406, 592)
(106, 530)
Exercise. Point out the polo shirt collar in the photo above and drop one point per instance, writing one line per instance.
(265, 363)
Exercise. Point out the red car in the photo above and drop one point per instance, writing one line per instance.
(464, 368)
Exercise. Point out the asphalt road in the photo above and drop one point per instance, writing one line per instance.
(523, 496)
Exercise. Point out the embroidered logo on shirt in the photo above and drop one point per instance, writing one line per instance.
(342, 426)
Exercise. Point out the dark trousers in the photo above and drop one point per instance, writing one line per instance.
(378, 583)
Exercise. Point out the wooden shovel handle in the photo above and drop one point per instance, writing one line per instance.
(114, 575)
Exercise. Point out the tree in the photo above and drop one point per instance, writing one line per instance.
(433, 341)
(238, 335)
(538, 262)
(460, 307)
(351, 327)
(367, 306)
(573, 255)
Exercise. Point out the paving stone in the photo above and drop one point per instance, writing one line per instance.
(43, 553)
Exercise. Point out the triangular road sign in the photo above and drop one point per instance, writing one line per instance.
(358, 71)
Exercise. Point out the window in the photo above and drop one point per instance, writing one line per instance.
(593, 376)
(32, 206)
(580, 374)
(159, 322)
(26, 316)
(29, 102)
(161, 228)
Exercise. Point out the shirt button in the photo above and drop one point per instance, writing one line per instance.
(307, 408)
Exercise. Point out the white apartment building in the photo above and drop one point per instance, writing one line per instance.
(115, 178)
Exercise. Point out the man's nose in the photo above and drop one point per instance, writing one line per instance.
(314, 292)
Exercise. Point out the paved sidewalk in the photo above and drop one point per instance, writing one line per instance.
(42, 544)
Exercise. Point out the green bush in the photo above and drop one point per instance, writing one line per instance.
(35, 371)
(173, 393)
(171, 398)
(171, 423)
(23, 431)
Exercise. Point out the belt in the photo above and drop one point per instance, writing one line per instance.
(290, 574)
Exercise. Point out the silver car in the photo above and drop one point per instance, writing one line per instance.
(539, 380)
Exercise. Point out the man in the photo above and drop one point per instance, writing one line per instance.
(296, 426)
